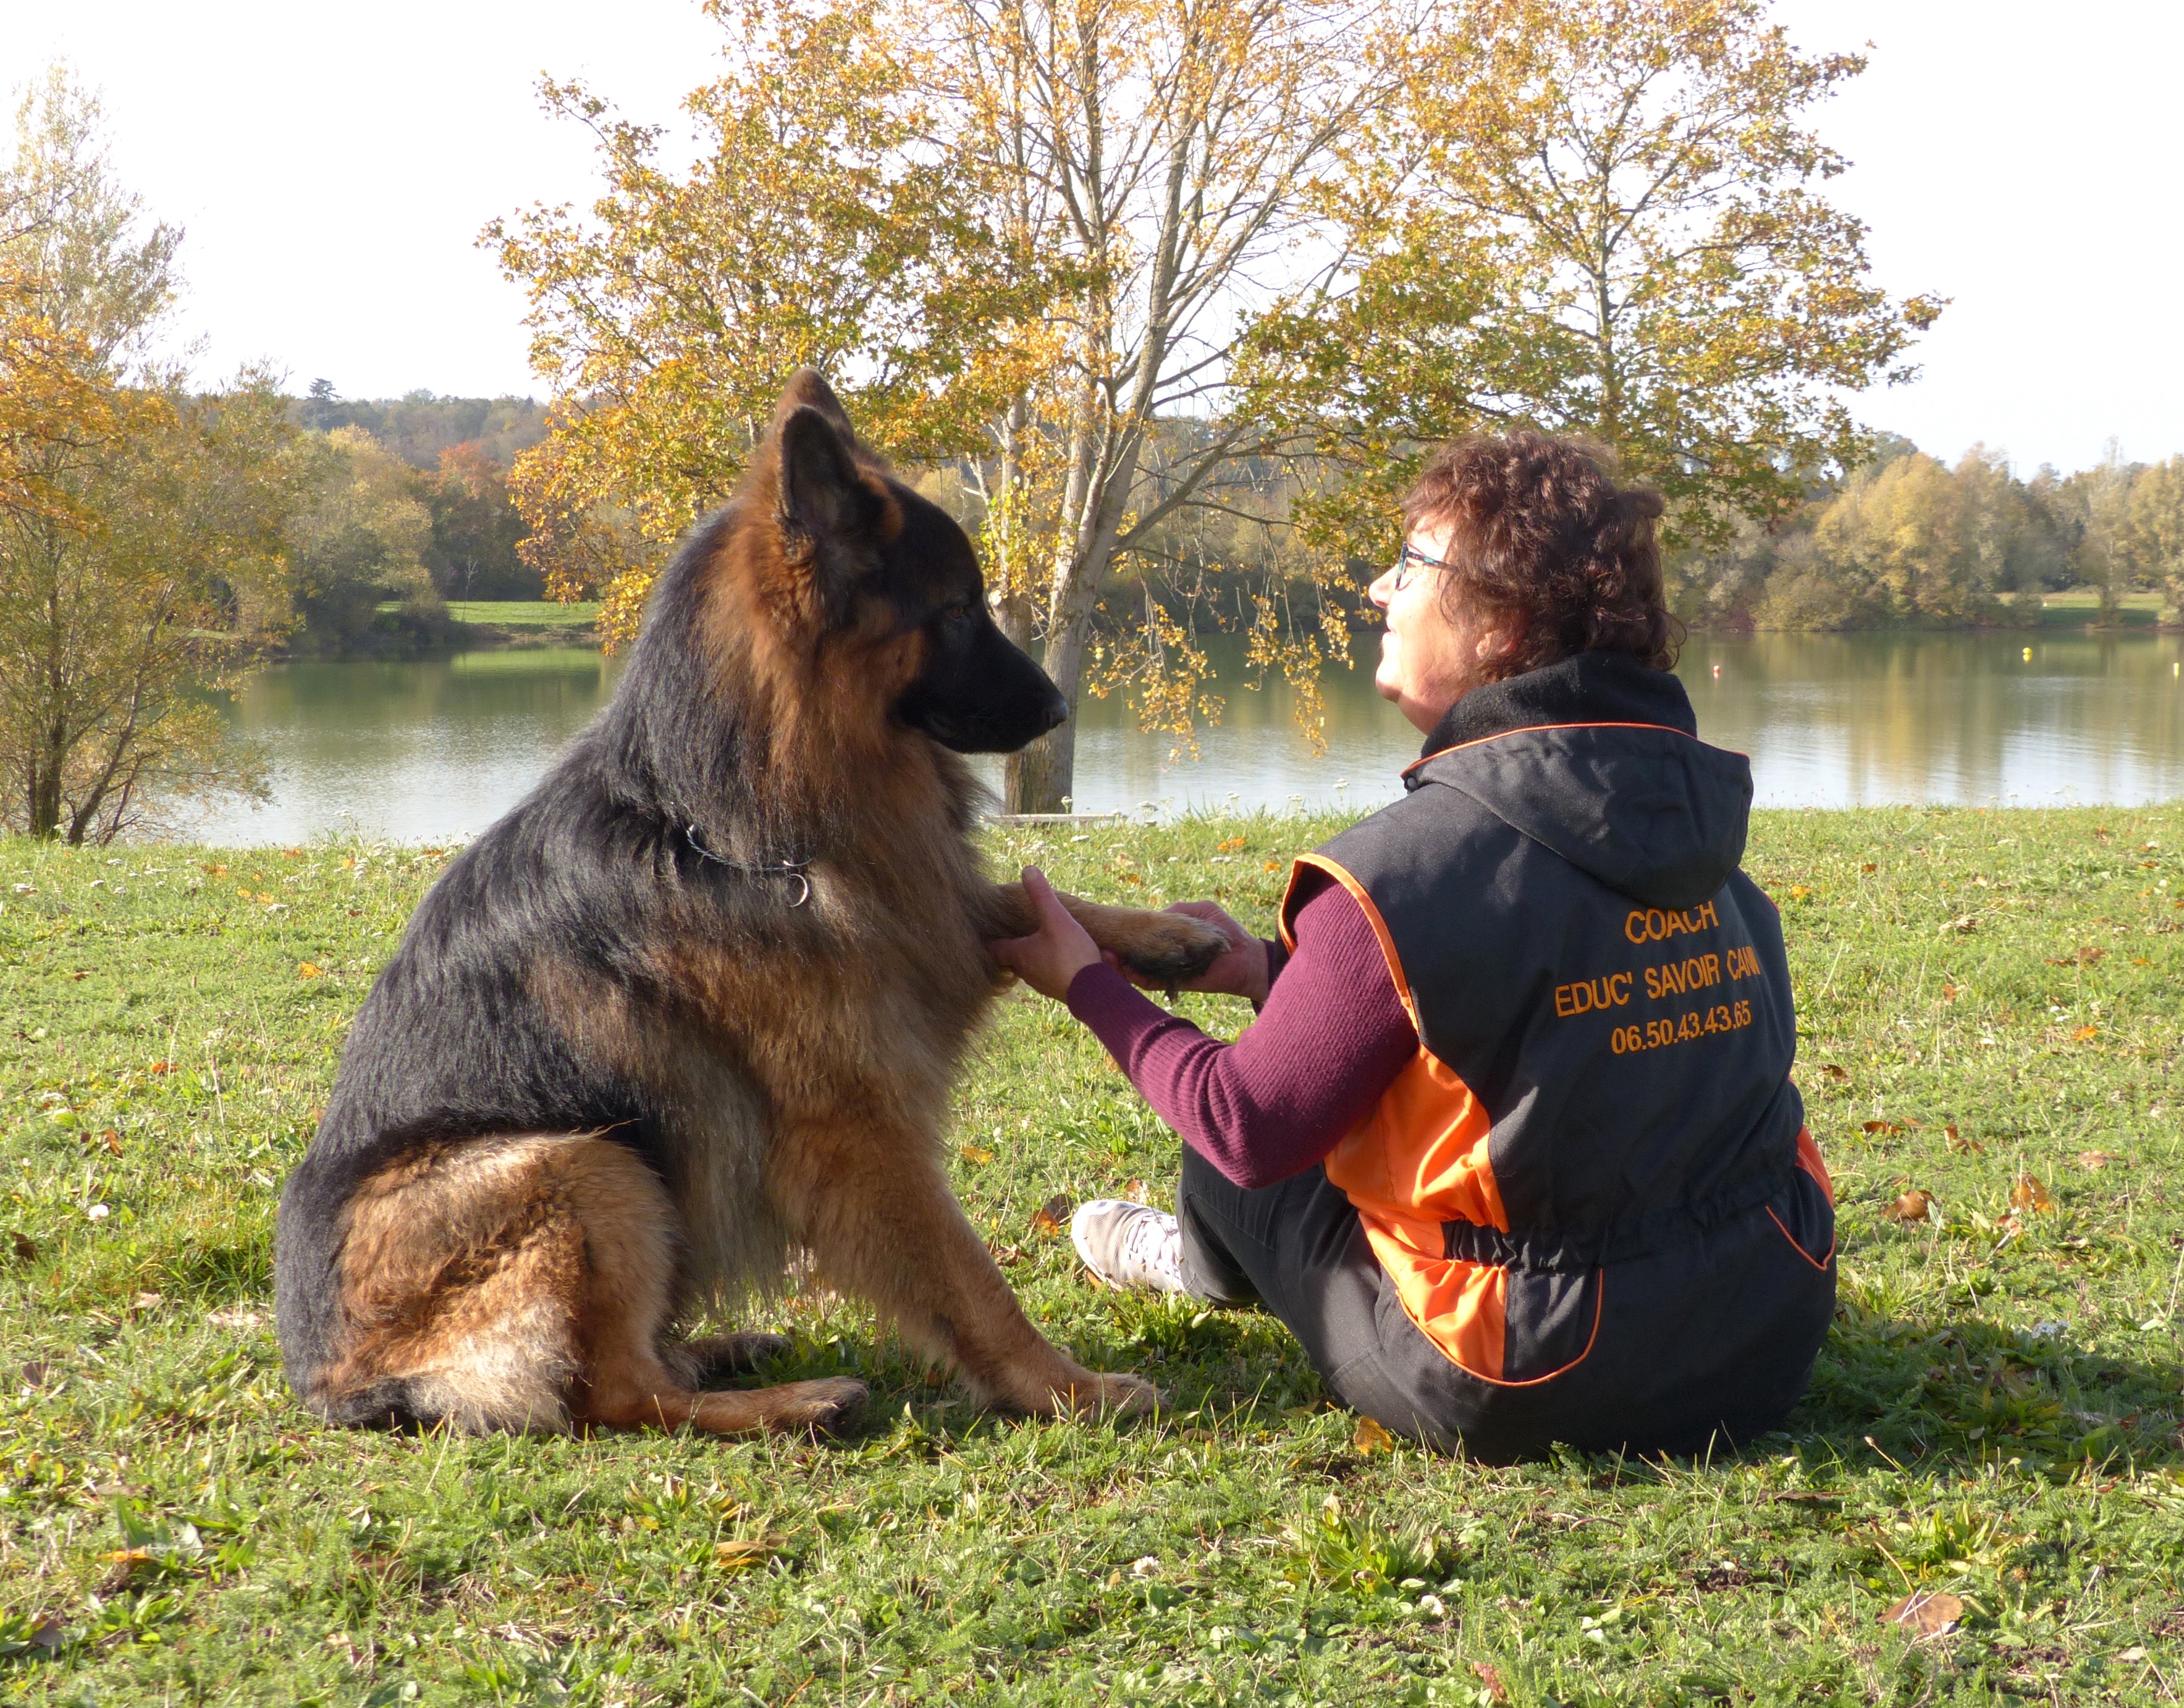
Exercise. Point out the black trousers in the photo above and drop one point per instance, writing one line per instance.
(1711, 1342)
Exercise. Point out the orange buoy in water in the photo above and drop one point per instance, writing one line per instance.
(1717, 672)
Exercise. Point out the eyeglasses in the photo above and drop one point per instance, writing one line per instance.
(1409, 555)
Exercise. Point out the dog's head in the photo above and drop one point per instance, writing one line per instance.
(861, 578)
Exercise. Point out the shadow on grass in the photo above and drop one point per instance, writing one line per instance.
(1939, 1392)
(1952, 1392)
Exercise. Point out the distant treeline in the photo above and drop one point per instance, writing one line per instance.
(410, 502)
(1908, 541)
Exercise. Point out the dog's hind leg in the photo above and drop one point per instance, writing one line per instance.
(522, 1283)
(865, 1193)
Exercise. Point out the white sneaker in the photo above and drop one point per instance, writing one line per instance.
(1126, 1244)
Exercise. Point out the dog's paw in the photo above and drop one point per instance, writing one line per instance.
(1115, 1396)
(1170, 948)
(816, 1404)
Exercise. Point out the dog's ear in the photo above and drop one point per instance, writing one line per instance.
(832, 523)
(805, 390)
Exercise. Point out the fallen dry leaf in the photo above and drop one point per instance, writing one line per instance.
(1799, 892)
(126, 1562)
(160, 1067)
(25, 1248)
(1007, 1254)
(1869, 866)
(745, 1550)
(1885, 1126)
(35, 1373)
(2026, 1192)
(1948, 993)
(2096, 1160)
(47, 1635)
(2084, 1032)
(1372, 1438)
(1930, 1612)
(1963, 1146)
(975, 1154)
(1229, 845)
(1134, 1190)
(1053, 1216)
(310, 970)
(111, 1140)
(1963, 925)
(216, 870)
(1273, 865)
(2083, 956)
(1914, 1206)
(1814, 1496)
(1492, 1680)
(1835, 1072)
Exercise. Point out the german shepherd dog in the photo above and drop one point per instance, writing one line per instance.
(697, 1003)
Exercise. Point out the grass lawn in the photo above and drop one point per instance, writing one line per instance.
(523, 614)
(1991, 1017)
(2075, 607)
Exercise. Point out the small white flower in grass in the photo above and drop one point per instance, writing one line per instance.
(1433, 1606)
(98, 1212)
(1146, 1566)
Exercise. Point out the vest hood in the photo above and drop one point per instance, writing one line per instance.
(1596, 758)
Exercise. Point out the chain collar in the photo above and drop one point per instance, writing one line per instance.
(799, 870)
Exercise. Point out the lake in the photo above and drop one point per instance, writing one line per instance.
(435, 750)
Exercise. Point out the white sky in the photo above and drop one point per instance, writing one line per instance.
(332, 166)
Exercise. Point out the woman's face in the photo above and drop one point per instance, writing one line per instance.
(1427, 663)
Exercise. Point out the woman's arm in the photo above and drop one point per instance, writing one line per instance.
(1331, 1036)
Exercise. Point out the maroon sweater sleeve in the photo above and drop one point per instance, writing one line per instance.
(1331, 1037)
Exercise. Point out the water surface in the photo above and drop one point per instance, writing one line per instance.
(437, 749)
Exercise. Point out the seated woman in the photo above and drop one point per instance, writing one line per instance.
(1512, 1146)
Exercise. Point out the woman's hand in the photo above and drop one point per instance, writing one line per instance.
(1241, 968)
(1055, 954)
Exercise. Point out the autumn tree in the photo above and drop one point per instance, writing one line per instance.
(2157, 525)
(816, 227)
(476, 531)
(140, 526)
(358, 534)
(1172, 158)
(1023, 237)
(1602, 217)
(2095, 506)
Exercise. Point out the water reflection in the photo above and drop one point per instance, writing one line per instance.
(439, 749)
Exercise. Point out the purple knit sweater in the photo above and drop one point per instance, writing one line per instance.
(1332, 1036)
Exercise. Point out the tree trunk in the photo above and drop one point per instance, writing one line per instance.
(45, 801)
(1042, 778)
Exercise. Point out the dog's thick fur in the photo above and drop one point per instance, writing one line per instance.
(698, 1002)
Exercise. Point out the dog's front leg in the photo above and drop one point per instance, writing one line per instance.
(1165, 947)
(865, 1193)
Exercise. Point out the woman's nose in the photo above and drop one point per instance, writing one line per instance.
(1380, 592)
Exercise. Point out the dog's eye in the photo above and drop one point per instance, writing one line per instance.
(957, 616)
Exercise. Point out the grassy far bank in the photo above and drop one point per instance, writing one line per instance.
(2077, 607)
(524, 614)
(1989, 1018)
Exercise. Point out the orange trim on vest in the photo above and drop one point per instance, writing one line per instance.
(1334, 870)
(1809, 1160)
(1534, 729)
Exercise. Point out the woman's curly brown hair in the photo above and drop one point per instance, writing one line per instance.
(1546, 543)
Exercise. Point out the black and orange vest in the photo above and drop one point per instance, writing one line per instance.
(1603, 1009)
